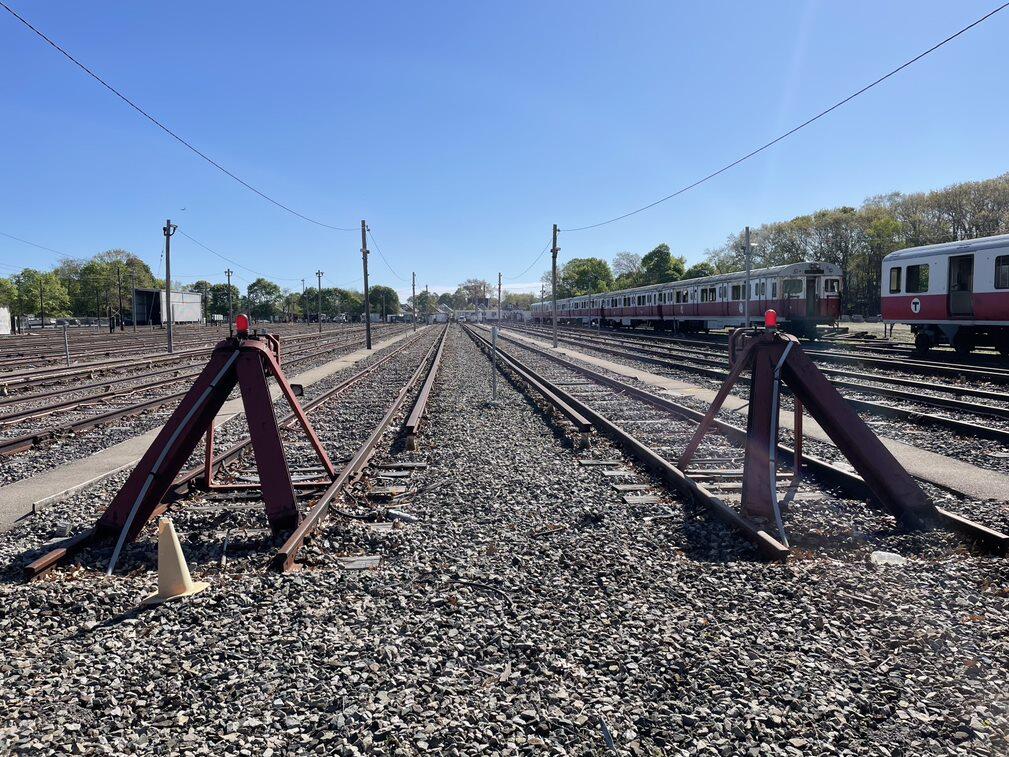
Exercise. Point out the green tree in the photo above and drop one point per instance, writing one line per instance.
(37, 291)
(660, 266)
(518, 300)
(697, 270)
(383, 300)
(584, 276)
(219, 299)
(264, 299)
(8, 293)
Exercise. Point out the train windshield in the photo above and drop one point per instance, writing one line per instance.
(793, 288)
(831, 286)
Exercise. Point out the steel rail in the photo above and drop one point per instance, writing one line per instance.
(16, 444)
(991, 539)
(530, 377)
(284, 560)
(653, 461)
(299, 355)
(411, 426)
(878, 408)
(192, 478)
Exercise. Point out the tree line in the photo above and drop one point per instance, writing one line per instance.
(855, 239)
(103, 285)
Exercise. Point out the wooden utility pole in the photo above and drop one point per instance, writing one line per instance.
(231, 315)
(499, 298)
(746, 242)
(119, 286)
(318, 276)
(167, 316)
(553, 277)
(133, 299)
(42, 307)
(304, 305)
(367, 305)
(414, 285)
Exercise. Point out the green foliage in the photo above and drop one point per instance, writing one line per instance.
(264, 299)
(218, 304)
(697, 270)
(584, 276)
(517, 300)
(383, 299)
(660, 266)
(8, 293)
(37, 291)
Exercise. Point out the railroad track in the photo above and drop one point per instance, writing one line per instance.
(55, 375)
(25, 441)
(654, 430)
(709, 364)
(357, 443)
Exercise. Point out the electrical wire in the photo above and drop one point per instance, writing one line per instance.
(379, 250)
(233, 262)
(535, 261)
(792, 131)
(164, 128)
(40, 246)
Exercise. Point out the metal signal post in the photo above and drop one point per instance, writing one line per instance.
(231, 314)
(553, 286)
(167, 316)
(413, 277)
(367, 304)
(318, 275)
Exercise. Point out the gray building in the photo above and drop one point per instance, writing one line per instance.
(149, 307)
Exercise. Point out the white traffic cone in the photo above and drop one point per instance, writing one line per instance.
(174, 581)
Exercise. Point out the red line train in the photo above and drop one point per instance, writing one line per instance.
(955, 293)
(804, 295)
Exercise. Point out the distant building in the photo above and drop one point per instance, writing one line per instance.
(149, 307)
(5, 321)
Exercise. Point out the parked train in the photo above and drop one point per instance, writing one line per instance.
(955, 293)
(804, 295)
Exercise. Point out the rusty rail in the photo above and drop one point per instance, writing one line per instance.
(284, 560)
(411, 426)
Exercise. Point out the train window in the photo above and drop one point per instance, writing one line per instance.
(774, 290)
(833, 286)
(895, 279)
(917, 278)
(763, 288)
(737, 292)
(1002, 272)
(793, 287)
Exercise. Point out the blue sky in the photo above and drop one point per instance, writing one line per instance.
(461, 131)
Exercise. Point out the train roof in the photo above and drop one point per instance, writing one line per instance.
(966, 245)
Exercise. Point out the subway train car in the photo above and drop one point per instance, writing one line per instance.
(805, 295)
(955, 293)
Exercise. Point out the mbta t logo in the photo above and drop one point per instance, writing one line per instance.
(915, 305)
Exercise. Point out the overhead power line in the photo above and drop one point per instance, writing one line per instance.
(792, 131)
(164, 128)
(379, 250)
(535, 261)
(40, 246)
(231, 260)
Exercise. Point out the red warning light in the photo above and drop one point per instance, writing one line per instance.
(242, 324)
(770, 319)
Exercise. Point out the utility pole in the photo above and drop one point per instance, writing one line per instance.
(168, 315)
(553, 277)
(42, 307)
(319, 275)
(304, 305)
(367, 305)
(499, 298)
(414, 285)
(746, 241)
(133, 299)
(231, 315)
(119, 285)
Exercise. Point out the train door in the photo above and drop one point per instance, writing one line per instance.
(961, 285)
(811, 297)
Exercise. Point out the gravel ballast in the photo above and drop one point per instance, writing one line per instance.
(527, 609)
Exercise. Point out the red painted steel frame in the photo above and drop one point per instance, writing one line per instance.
(234, 361)
(893, 486)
